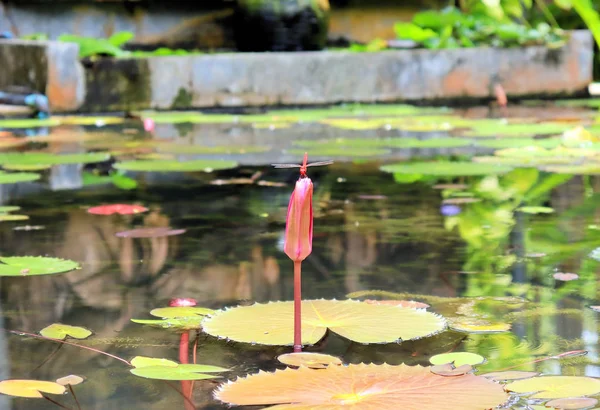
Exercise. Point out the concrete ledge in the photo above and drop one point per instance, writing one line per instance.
(48, 67)
(268, 79)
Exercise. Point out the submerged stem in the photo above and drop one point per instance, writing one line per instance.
(297, 306)
(74, 396)
(62, 406)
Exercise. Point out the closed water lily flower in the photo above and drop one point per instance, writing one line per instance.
(299, 221)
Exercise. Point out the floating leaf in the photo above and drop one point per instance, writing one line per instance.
(447, 169)
(4, 209)
(509, 375)
(565, 277)
(556, 387)
(178, 312)
(29, 388)
(29, 123)
(143, 361)
(573, 403)
(584, 169)
(449, 370)
(37, 158)
(312, 360)
(188, 149)
(11, 217)
(71, 379)
(343, 151)
(365, 387)
(26, 167)
(204, 165)
(60, 331)
(16, 177)
(535, 210)
(150, 233)
(474, 325)
(180, 323)
(492, 128)
(121, 209)
(400, 303)
(179, 372)
(272, 323)
(87, 120)
(457, 359)
(519, 142)
(34, 265)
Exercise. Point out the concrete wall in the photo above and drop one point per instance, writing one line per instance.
(268, 79)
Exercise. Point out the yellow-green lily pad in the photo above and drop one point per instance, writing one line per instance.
(179, 323)
(61, 331)
(556, 387)
(34, 265)
(178, 312)
(203, 165)
(457, 359)
(29, 388)
(143, 361)
(12, 217)
(179, 372)
(16, 177)
(445, 168)
(535, 210)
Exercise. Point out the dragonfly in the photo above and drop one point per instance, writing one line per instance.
(304, 165)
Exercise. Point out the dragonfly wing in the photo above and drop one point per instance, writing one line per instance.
(319, 163)
(286, 165)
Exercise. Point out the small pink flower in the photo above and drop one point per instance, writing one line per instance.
(149, 125)
(299, 221)
(182, 302)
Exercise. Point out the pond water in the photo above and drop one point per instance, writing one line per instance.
(462, 243)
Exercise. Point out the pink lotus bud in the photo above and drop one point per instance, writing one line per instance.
(299, 221)
(149, 125)
(182, 302)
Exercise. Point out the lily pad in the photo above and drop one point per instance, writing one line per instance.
(491, 128)
(150, 233)
(178, 312)
(180, 323)
(444, 168)
(449, 370)
(37, 158)
(30, 388)
(121, 209)
(400, 303)
(311, 360)
(457, 359)
(343, 151)
(34, 265)
(5, 209)
(573, 403)
(29, 123)
(556, 387)
(188, 149)
(362, 386)
(179, 372)
(70, 380)
(272, 323)
(60, 331)
(204, 165)
(502, 143)
(16, 177)
(12, 217)
(143, 361)
(510, 375)
(26, 167)
(584, 169)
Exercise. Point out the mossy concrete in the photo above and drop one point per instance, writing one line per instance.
(280, 79)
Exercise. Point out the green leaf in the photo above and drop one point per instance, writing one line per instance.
(16, 177)
(5, 209)
(180, 372)
(457, 358)
(556, 387)
(122, 181)
(29, 123)
(175, 166)
(413, 32)
(444, 168)
(60, 331)
(12, 217)
(120, 38)
(34, 265)
(143, 361)
(535, 210)
(179, 312)
(36, 158)
(181, 323)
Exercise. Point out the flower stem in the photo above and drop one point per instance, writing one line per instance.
(297, 306)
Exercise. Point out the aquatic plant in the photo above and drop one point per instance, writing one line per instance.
(34, 265)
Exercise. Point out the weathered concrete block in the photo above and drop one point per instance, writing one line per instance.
(49, 67)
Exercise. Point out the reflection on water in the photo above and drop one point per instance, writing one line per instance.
(370, 233)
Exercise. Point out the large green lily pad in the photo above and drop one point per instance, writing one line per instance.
(445, 168)
(179, 312)
(29, 123)
(203, 165)
(457, 359)
(61, 331)
(188, 149)
(179, 372)
(16, 177)
(34, 265)
(37, 158)
(556, 387)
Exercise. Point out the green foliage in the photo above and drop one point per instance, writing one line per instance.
(34, 265)
(451, 28)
